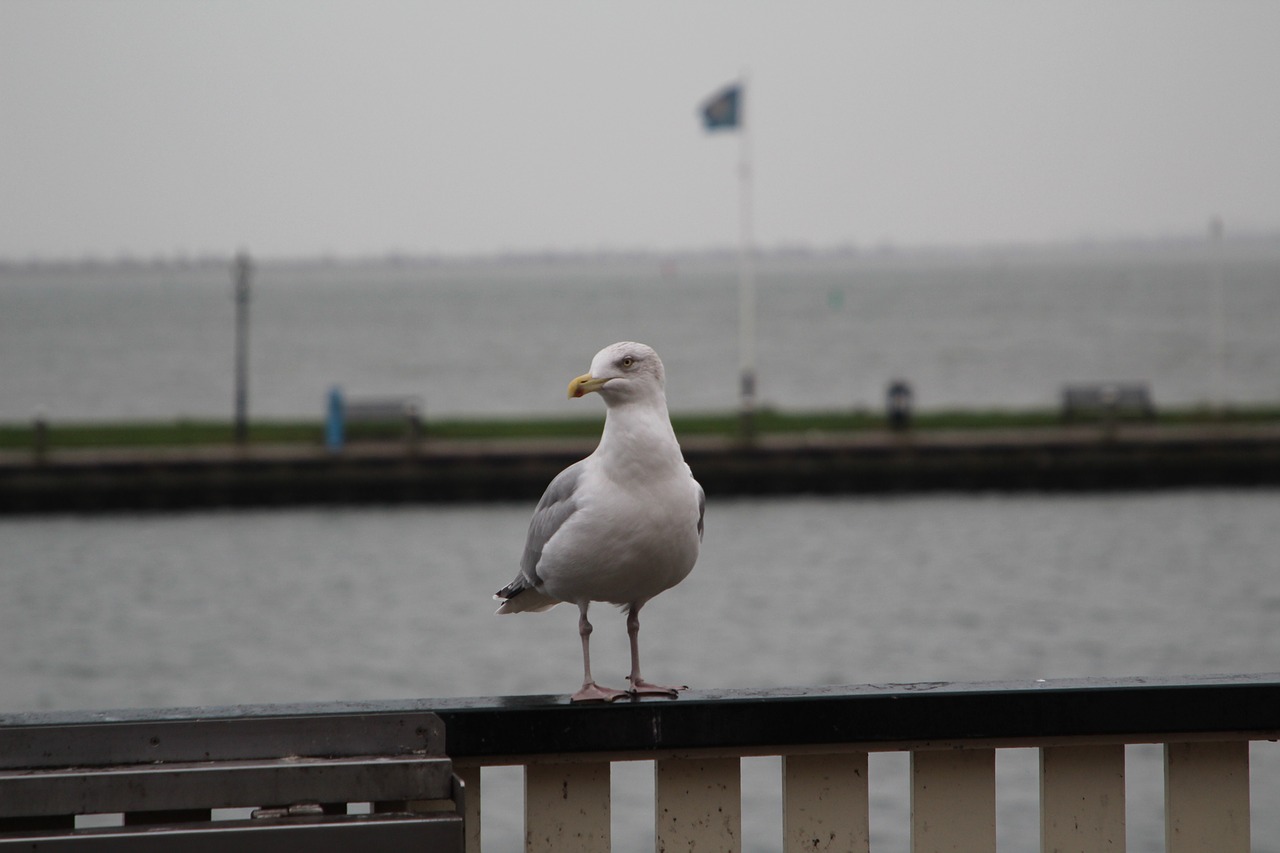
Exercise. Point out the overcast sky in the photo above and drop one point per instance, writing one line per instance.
(301, 127)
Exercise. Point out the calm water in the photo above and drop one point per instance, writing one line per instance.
(990, 329)
(229, 608)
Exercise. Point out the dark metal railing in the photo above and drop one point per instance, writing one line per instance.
(951, 730)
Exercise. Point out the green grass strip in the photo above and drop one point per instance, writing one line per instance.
(197, 433)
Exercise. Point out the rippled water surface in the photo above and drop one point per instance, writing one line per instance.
(231, 608)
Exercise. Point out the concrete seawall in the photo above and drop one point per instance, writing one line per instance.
(1079, 458)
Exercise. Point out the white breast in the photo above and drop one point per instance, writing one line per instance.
(627, 544)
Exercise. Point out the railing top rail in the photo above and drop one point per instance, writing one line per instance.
(489, 728)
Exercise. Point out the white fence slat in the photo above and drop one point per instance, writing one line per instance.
(1082, 799)
(698, 804)
(824, 802)
(566, 807)
(953, 801)
(1206, 790)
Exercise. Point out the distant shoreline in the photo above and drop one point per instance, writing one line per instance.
(21, 437)
(1093, 457)
(1181, 244)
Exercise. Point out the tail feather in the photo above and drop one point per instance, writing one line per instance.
(519, 597)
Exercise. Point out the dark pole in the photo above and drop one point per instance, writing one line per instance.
(241, 273)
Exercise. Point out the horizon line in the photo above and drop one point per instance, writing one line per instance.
(782, 249)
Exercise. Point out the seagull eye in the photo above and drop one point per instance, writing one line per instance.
(628, 361)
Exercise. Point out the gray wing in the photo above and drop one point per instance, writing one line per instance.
(702, 507)
(557, 505)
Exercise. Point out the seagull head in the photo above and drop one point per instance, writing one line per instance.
(622, 372)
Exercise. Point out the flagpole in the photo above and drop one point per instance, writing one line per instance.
(746, 272)
(726, 109)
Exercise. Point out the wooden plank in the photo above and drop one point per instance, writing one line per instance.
(472, 792)
(1206, 790)
(165, 789)
(566, 807)
(1082, 799)
(824, 803)
(698, 804)
(147, 736)
(336, 834)
(953, 801)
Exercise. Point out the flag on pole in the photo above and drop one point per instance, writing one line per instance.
(722, 111)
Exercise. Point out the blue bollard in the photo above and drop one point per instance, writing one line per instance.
(334, 431)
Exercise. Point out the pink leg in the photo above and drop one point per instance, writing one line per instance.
(591, 692)
(640, 687)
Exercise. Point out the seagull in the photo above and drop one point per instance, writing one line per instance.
(620, 526)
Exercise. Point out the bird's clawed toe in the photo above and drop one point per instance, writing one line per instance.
(640, 687)
(592, 692)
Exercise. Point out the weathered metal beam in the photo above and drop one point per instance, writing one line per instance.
(221, 784)
(326, 835)
(102, 739)
(166, 771)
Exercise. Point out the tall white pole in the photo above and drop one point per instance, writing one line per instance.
(746, 268)
(1218, 344)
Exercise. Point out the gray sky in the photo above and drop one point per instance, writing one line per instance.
(301, 127)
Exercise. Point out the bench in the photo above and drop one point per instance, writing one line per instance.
(250, 784)
(372, 411)
(1107, 400)
(383, 410)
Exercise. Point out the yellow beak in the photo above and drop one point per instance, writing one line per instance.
(585, 384)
